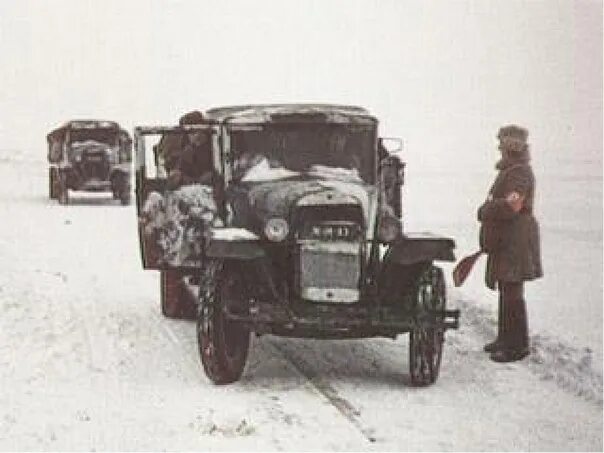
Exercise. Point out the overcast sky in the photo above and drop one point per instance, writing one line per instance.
(444, 75)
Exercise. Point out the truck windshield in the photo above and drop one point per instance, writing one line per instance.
(303, 147)
(108, 136)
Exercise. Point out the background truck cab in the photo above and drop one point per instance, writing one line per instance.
(89, 155)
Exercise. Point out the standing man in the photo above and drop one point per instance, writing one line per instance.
(509, 234)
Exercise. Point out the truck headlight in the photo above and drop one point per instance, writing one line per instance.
(276, 229)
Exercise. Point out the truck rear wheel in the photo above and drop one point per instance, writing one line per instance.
(427, 336)
(175, 300)
(223, 343)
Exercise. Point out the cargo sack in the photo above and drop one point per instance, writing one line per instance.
(176, 222)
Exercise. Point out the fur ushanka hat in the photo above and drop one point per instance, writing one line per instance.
(514, 132)
(194, 117)
(513, 139)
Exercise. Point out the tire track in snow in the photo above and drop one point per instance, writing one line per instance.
(84, 325)
(97, 356)
(344, 407)
(550, 359)
(178, 344)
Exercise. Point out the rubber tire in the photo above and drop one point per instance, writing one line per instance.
(125, 198)
(223, 344)
(426, 343)
(174, 300)
(63, 191)
(52, 183)
(120, 189)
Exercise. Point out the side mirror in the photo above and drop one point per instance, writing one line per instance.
(392, 174)
(392, 169)
(393, 145)
(389, 150)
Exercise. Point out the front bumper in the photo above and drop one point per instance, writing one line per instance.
(308, 319)
(95, 185)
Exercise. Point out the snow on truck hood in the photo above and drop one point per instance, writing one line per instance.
(274, 195)
(263, 171)
(90, 144)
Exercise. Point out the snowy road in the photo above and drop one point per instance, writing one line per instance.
(88, 362)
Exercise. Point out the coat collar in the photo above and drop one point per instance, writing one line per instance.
(513, 159)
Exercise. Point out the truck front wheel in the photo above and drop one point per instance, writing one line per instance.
(125, 197)
(120, 188)
(427, 336)
(223, 343)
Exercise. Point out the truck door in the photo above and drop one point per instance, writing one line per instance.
(157, 154)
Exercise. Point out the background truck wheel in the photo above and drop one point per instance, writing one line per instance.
(125, 197)
(62, 190)
(427, 336)
(176, 301)
(223, 343)
(120, 188)
(52, 183)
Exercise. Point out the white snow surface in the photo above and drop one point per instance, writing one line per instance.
(87, 362)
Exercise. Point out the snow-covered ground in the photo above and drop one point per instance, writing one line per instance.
(87, 362)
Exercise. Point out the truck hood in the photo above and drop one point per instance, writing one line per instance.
(269, 199)
(80, 149)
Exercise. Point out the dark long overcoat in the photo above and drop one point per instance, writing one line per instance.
(517, 256)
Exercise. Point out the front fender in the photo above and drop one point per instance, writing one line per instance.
(422, 247)
(233, 243)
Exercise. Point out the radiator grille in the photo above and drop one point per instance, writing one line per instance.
(95, 165)
(330, 272)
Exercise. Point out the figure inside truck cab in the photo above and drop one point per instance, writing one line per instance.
(193, 164)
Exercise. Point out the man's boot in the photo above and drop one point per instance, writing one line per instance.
(492, 346)
(496, 344)
(515, 327)
(509, 355)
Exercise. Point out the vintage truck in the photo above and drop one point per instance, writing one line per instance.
(299, 234)
(89, 155)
